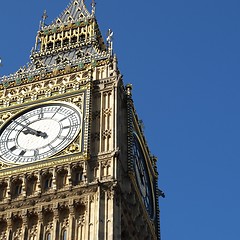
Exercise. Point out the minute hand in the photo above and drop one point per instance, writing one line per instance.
(32, 131)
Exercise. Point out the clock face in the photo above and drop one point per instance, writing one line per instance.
(39, 132)
(142, 176)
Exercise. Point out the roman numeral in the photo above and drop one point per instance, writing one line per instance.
(8, 140)
(56, 112)
(13, 148)
(40, 116)
(36, 152)
(66, 117)
(25, 119)
(64, 138)
(22, 152)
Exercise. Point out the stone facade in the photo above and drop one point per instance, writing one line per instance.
(93, 188)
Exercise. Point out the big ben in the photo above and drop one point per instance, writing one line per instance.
(74, 162)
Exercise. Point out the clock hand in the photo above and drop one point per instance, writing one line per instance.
(37, 133)
(32, 131)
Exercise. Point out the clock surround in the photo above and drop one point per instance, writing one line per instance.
(39, 132)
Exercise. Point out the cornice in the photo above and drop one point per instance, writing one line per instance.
(45, 164)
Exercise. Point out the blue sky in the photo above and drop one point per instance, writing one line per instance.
(182, 58)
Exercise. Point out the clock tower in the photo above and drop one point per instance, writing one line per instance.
(74, 162)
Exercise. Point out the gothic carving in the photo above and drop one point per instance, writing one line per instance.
(17, 222)
(107, 133)
(107, 112)
(48, 219)
(44, 89)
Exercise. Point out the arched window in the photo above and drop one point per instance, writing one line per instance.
(18, 189)
(48, 236)
(48, 183)
(64, 235)
(64, 180)
(79, 177)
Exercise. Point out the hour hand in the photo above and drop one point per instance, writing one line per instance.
(36, 133)
(26, 131)
(41, 134)
(32, 131)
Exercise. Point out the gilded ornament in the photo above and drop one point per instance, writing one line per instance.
(73, 148)
(18, 81)
(46, 32)
(67, 68)
(6, 116)
(54, 30)
(78, 23)
(94, 63)
(5, 83)
(81, 66)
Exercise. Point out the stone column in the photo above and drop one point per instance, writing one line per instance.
(9, 226)
(8, 195)
(71, 232)
(55, 222)
(25, 225)
(69, 177)
(54, 181)
(24, 187)
(39, 187)
(40, 224)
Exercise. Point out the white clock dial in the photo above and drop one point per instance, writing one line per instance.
(39, 132)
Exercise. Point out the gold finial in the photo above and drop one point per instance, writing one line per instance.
(44, 17)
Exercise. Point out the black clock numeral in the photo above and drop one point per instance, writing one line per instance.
(65, 138)
(61, 137)
(13, 148)
(6, 153)
(36, 152)
(12, 128)
(40, 115)
(22, 152)
(66, 117)
(56, 112)
(52, 149)
(11, 140)
(8, 140)
(25, 119)
(50, 146)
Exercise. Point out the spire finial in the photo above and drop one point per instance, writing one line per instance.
(1, 62)
(44, 17)
(93, 7)
(110, 41)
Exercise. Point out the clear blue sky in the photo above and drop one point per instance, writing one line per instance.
(182, 58)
